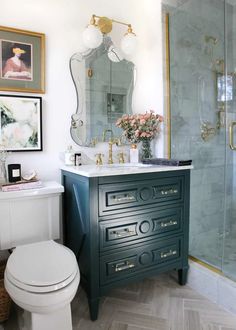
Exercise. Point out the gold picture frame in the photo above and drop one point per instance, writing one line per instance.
(22, 60)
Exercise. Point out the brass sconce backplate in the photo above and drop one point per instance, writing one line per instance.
(105, 24)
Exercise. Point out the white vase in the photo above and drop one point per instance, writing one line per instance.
(134, 154)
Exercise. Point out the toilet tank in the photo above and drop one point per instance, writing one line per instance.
(29, 216)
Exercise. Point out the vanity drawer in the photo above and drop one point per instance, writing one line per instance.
(124, 231)
(137, 259)
(121, 197)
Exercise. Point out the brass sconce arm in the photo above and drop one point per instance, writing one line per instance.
(105, 23)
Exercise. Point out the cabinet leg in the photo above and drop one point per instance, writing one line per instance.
(182, 276)
(93, 308)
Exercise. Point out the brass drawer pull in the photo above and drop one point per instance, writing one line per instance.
(124, 198)
(170, 223)
(168, 254)
(125, 232)
(169, 192)
(123, 266)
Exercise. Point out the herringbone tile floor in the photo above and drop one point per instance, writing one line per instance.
(156, 303)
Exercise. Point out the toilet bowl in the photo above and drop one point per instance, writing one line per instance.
(43, 278)
(41, 275)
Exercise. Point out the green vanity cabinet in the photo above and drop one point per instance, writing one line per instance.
(123, 228)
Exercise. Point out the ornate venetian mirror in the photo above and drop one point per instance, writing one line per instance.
(104, 87)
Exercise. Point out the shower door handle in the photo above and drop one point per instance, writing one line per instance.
(231, 135)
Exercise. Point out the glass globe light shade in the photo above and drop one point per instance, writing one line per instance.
(129, 43)
(92, 37)
(82, 48)
(114, 54)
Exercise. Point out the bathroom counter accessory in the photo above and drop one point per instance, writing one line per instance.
(125, 226)
(167, 162)
(46, 187)
(22, 185)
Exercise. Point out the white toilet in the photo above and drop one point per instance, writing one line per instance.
(41, 276)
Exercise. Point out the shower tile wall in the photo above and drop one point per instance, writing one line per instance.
(194, 102)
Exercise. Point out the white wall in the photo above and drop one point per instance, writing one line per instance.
(63, 21)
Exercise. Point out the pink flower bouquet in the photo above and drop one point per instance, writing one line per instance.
(140, 127)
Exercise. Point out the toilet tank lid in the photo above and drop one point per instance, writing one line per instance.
(49, 187)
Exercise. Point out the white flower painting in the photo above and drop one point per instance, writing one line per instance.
(20, 123)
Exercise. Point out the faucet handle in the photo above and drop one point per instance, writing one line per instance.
(118, 141)
(94, 141)
(121, 157)
(99, 158)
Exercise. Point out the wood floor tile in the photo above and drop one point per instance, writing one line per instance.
(220, 319)
(191, 320)
(176, 314)
(141, 320)
(160, 302)
(129, 306)
(118, 326)
(210, 327)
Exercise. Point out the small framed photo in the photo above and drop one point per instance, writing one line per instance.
(21, 123)
(22, 56)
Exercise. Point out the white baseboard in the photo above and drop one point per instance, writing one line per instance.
(215, 287)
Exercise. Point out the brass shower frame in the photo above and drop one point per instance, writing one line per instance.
(167, 87)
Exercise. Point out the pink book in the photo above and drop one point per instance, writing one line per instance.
(22, 186)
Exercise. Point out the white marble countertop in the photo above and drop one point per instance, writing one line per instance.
(120, 169)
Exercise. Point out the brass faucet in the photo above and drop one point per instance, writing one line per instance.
(121, 157)
(104, 133)
(110, 155)
(99, 159)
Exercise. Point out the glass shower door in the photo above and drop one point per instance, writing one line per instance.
(229, 246)
(203, 122)
(197, 60)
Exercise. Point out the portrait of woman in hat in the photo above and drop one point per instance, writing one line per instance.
(16, 61)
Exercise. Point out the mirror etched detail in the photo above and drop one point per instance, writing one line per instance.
(104, 93)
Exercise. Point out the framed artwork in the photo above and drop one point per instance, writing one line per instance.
(22, 56)
(21, 123)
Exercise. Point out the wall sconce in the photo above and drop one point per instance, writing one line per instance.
(93, 34)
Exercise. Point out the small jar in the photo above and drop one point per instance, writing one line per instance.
(78, 159)
(14, 172)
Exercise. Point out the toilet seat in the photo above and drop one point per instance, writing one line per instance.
(41, 267)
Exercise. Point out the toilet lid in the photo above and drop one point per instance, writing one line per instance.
(41, 267)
